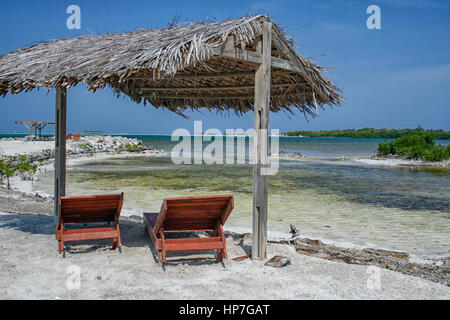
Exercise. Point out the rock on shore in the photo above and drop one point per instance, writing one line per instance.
(84, 145)
(27, 157)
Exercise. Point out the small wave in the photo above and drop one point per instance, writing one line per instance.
(401, 162)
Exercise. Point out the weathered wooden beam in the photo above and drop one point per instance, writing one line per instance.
(228, 50)
(260, 148)
(227, 97)
(240, 54)
(206, 75)
(60, 146)
(285, 65)
(200, 76)
(217, 88)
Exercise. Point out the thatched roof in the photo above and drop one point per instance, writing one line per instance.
(178, 68)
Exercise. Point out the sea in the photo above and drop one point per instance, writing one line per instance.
(334, 194)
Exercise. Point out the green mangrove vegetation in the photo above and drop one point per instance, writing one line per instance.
(131, 147)
(368, 133)
(87, 147)
(5, 171)
(420, 144)
(9, 166)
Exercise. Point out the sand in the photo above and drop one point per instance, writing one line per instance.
(31, 268)
(13, 147)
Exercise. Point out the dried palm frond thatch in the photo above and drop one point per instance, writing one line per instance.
(178, 68)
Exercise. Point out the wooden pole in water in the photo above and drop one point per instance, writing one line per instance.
(60, 145)
(261, 141)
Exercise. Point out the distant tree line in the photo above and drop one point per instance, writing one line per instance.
(368, 133)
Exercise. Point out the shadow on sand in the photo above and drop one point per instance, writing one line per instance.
(132, 232)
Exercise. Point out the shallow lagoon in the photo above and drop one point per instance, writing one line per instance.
(327, 195)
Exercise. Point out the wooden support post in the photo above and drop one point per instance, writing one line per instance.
(261, 141)
(60, 145)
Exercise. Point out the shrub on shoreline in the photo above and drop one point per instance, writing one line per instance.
(7, 171)
(87, 147)
(133, 147)
(419, 144)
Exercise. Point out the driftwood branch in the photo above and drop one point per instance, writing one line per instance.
(391, 260)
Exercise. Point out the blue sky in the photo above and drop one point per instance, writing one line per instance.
(395, 77)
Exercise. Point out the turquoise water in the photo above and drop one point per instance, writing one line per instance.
(328, 195)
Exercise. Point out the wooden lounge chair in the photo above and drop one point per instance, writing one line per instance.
(89, 209)
(187, 215)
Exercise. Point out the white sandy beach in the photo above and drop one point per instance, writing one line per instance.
(31, 267)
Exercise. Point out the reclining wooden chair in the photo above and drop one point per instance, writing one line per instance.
(187, 215)
(89, 209)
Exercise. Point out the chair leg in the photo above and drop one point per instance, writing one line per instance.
(219, 255)
(163, 249)
(114, 244)
(60, 246)
(159, 256)
(223, 252)
(119, 239)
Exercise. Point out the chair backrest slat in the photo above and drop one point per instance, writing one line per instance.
(85, 209)
(194, 213)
